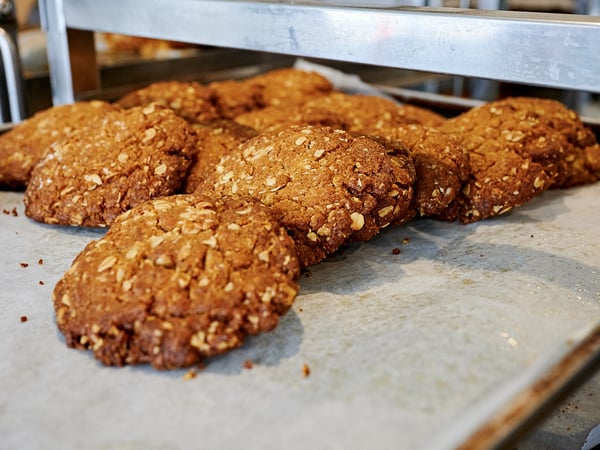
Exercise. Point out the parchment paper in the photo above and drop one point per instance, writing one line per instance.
(400, 346)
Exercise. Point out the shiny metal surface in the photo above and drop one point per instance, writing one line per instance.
(533, 48)
(53, 23)
(10, 64)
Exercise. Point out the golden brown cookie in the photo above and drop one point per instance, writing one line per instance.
(420, 115)
(579, 159)
(25, 144)
(273, 117)
(215, 140)
(325, 186)
(289, 86)
(441, 165)
(106, 168)
(176, 280)
(279, 87)
(515, 153)
(369, 114)
(191, 100)
(236, 97)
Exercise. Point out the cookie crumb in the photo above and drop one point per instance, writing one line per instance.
(40, 261)
(14, 212)
(5, 211)
(305, 370)
(248, 364)
(24, 264)
(396, 251)
(24, 319)
(190, 374)
(300, 309)
(41, 283)
(405, 241)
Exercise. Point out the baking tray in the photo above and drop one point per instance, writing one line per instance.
(457, 339)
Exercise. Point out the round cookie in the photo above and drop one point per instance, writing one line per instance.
(176, 280)
(325, 186)
(273, 117)
(369, 114)
(289, 86)
(189, 99)
(215, 140)
(420, 115)
(441, 165)
(579, 159)
(279, 87)
(109, 166)
(27, 142)
(236, 97)
(514, 154)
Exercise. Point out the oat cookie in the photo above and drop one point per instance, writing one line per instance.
(579, 160)
(189, 99)
(236, 97)
(289, 86)
(215, 140)
(272, 117)
(176, 280)
(441, 166)
(104, 169)
(368, 114)
(25, 144)
(278, 87)
(514, 154)
(324, 185)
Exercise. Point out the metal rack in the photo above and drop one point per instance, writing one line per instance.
(555, 50)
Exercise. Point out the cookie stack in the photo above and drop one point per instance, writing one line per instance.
(216, 196)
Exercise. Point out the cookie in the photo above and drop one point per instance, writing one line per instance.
(106, 168)
(177, 280)
(440, 162)
(273, 117)
(325, 186)
(279, 87)
(420, 115)
(189, 99)
(289, 86)
(514, 154)
(579, 160)
(236, 97)
(215, 140)
(368, 114)
(25, 144)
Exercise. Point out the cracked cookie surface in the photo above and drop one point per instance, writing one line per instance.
(325, 186)
(518, 148)
(191, 100)
(27, 142)
(279, 87)
(215, 140)
(367, 114)
(176, 280)
(104, 169)
(441, 165)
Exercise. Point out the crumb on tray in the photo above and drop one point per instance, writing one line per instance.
(305, 370)
(190, 374)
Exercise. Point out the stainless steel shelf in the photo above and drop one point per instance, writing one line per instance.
(557, 50)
